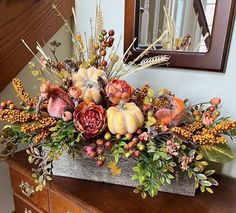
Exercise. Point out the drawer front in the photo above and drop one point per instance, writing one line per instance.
(60, 204)
(25, 186)
(21, 206)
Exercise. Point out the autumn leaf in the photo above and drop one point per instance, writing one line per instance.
(219, 153)
(115, 170)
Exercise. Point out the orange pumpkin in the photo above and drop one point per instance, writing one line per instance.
(172, 116)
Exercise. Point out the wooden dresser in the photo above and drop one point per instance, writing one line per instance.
(67, 195)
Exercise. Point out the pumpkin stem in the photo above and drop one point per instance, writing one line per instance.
(122, 104)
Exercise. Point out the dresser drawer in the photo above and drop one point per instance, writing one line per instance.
(22, 206)
(60, 204)
(25, 186)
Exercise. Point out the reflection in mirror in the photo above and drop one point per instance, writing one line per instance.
(180, 25)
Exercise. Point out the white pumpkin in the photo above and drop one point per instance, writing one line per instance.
(124, 118)
(87, 81)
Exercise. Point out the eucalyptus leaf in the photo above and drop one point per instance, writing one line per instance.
(206, 183)
(218, 153)
(209, 172)
(209, 190)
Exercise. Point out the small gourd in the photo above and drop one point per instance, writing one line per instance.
(124, 118)
(87, 81)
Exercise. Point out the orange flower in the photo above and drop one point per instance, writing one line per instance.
(185, 162)
(90, 119)
(118, 90)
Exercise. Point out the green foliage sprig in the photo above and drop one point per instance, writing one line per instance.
(64, 137)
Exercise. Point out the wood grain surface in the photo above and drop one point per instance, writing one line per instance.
(32, 20)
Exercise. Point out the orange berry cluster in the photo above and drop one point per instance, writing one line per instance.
(204, 135)
(213, 135)
(182, 132)
(197, 125)
(223, 127)
(20, 91)
(16, 116)
(43, 135)
(42, 124)
(209, 139)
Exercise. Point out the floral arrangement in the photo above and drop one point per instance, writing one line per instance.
(85, 106)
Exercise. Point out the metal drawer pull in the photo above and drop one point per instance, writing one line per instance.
(27, 211)
(26, 189)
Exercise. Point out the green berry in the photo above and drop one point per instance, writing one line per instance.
(104, 32)
(101, 38)
(107, 136)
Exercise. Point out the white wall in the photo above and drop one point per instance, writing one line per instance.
(31, 85)
(198, 86)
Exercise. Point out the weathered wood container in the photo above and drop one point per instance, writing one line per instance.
(82, 167)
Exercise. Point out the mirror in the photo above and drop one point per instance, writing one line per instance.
(194, 33)
(187, 23)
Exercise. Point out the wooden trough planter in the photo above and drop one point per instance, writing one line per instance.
(82, 167)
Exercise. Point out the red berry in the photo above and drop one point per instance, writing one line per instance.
(100, 163)
(104, 44)
(118, 136)
(100, 150)
(137, 153)
(111, 32)
(108, 145)
(111, 39)
(135, 140)
(100, 142)
(130, 145)
(109, 44)
(9, 102)
(146, 108)
(30, 103)
(104, 63)
(3, 104)
(92, 154)
(211, 108)
(128, 136)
